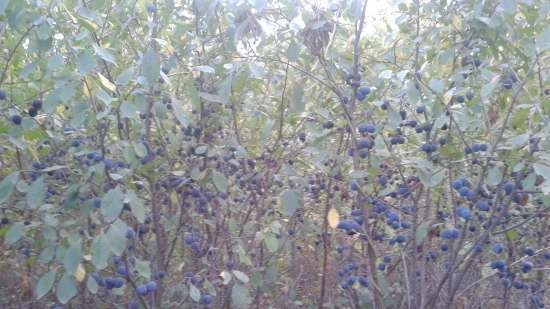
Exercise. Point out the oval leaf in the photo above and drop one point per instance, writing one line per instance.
(333, 218)
(290, 202)
(66, 289)
(45, 283)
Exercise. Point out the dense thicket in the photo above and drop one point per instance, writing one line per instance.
(274, 154)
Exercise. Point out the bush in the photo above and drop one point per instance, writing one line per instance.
(254, 154)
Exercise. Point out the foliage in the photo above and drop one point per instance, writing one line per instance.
(236, 154)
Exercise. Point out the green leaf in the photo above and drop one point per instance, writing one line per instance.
(412, 93)
(394, 119)
(124, 77)
(488, 89)
(226, 276)
(7, 185)
(72, 257)
(267, 129)
(446, 56)
(358, 174)
(542, 169)
(211, 97)
(150, 66)
(79, 114)
(28, 69)
(520, 117)
(143, 269)
(3, 6)
(140, 149)
(220, 181)
(15, 232)
(100, 252)
(137, 206)
(205, 69)
(240, 296)
(431, 179)
(545, 188)
(421, 232)
(243, 257)
(52, 100)
(201, 150)
(437, 85)
(46, 255)
(104, 96)
(494, 177)
(271, 242)
(55, 63)
(66, 288)
(529, 182)
(36, 193)
(241, 276)
(127, 109)
(111, 204)
(194, 293)
(509, 6)
(43, 32)
(105, 54)
(519, 141)
(45, 283)
(293, 51)
(116, 237)
(290, 201)
(92, 285)
(543, 39)
(297, 103)
(512, 235)
(177, 108)
(441, 121)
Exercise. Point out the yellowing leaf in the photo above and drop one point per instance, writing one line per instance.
(333, 218)
(106, 82)
(85, 91)
(180, 266)
(80, 273)
(61, 110)
(88, 24)
(226, 276)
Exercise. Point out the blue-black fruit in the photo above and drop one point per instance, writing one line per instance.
(32, 112)
(16, 119)
(497, 248)
(450, 233)
(350, 226)
(365, 90)
(469, 94)
(142, 289)
(507, 83)
(151, 286)
(36, 104)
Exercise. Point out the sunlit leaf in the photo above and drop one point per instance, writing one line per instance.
(333, 218)
(241, 276)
